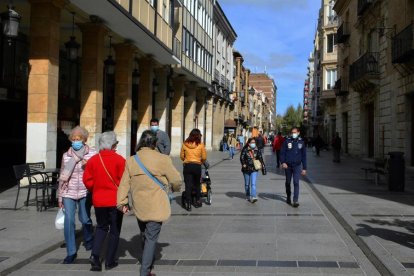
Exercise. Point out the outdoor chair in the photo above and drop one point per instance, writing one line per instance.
(27, 178)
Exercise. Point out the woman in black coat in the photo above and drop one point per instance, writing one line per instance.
(248, 155)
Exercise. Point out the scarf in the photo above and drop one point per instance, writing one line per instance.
(77, 156)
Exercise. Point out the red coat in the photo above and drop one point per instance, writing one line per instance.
(278, 142)
(97, 180)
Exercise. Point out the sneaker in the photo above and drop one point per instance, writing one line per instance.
(295, 204)
(248, 198)
(95, 263)
(254, 199)
(111, 265)
(70, 259)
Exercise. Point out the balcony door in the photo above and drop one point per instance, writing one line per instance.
(370, 121)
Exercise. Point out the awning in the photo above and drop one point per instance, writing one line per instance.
(230, 123)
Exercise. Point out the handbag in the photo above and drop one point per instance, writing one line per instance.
(164, 188)
(256, 163)
(110, 177)
(60, 219)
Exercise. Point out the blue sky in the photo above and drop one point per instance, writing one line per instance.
(276, 35)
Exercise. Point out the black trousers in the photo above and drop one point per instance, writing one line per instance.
(192, 175)
(278, 158)
(109, 221)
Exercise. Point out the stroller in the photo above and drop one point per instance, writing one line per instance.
(205, 187)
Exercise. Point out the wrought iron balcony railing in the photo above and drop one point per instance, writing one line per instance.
(343, 33)
(365, 65)
(341, 87)
(403, 46)
(216, 76)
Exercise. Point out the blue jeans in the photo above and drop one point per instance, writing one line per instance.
(250, 184)
(224, 147)
(295, 172)
(150, 230)
(69, 224)
(231, 152)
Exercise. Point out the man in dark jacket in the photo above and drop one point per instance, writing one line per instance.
(260, 142)
(293, 159)
(163, 142)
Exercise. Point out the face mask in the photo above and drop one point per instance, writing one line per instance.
(155, 128)
(252, 146)
(295, 135)
(77, 145)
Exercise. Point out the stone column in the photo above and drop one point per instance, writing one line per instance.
(123, 89)
(145, 94)
(209, 123)
(189, 109)
(177, 123)
(200, 108)
(161, 104)
(93, 55)
(217, 133)
(43, 81)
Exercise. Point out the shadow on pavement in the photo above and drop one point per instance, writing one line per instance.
(401, 238)
(267, 196)
(134, 247)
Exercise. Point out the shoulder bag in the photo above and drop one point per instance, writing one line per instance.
(256, 163)
(110, 177)
(153, 178)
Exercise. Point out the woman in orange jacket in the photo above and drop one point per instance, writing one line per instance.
(193, 154)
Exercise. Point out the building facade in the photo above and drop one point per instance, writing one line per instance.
(376, 84)
(112, 65)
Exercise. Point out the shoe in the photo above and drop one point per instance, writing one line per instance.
(111, 265)
(198, 204)
(254, 199)
(248, 198)
(95, 263)
(188, 206)
(70, 259)
(295, 204)
(288, 201)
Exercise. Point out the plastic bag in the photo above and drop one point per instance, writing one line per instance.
(60, 219)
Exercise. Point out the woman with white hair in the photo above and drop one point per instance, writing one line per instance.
(72, 192)
(102, 177)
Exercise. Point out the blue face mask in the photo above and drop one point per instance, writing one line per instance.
(252, 146)
(295, 135)
(77, 145)
(155, 128)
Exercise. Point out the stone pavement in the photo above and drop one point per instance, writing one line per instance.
(233, 236)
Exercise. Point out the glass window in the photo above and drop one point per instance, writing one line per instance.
(330, 78)
(331, 42)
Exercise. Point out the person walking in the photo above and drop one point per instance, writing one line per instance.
(163, 141)
(72, 192)
(318, 143)
(249, 155)
(193, 154)
(224, 142)
(151, 203)
(260, 142)
(277, 145)
(293, 159)
(232, 143)
(241, 140)
(336, 146)
(101, 178)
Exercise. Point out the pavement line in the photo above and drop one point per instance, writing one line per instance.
(371, 256)
(224, 262)
(245, 215)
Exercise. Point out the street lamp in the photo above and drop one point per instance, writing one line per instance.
(10, 21)
(109, 62)
(72, 46)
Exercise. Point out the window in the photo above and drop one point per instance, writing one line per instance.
(331, 42)
(152, 3)
(330, 78)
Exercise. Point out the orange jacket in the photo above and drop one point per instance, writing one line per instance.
(192, 153)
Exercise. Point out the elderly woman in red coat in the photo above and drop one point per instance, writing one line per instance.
(102, 176)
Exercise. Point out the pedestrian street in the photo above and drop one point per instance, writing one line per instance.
(233, 236)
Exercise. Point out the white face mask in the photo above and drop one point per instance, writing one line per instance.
(295, 135)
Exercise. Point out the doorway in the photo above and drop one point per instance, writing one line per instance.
(370, 124)
(345, 131)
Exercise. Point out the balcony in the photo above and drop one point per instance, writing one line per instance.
(222, 80)
(363, 5)
(364, 71)
(341, 87)
(402, 45)
(216, 76)
(177, 48)
(343, 33)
